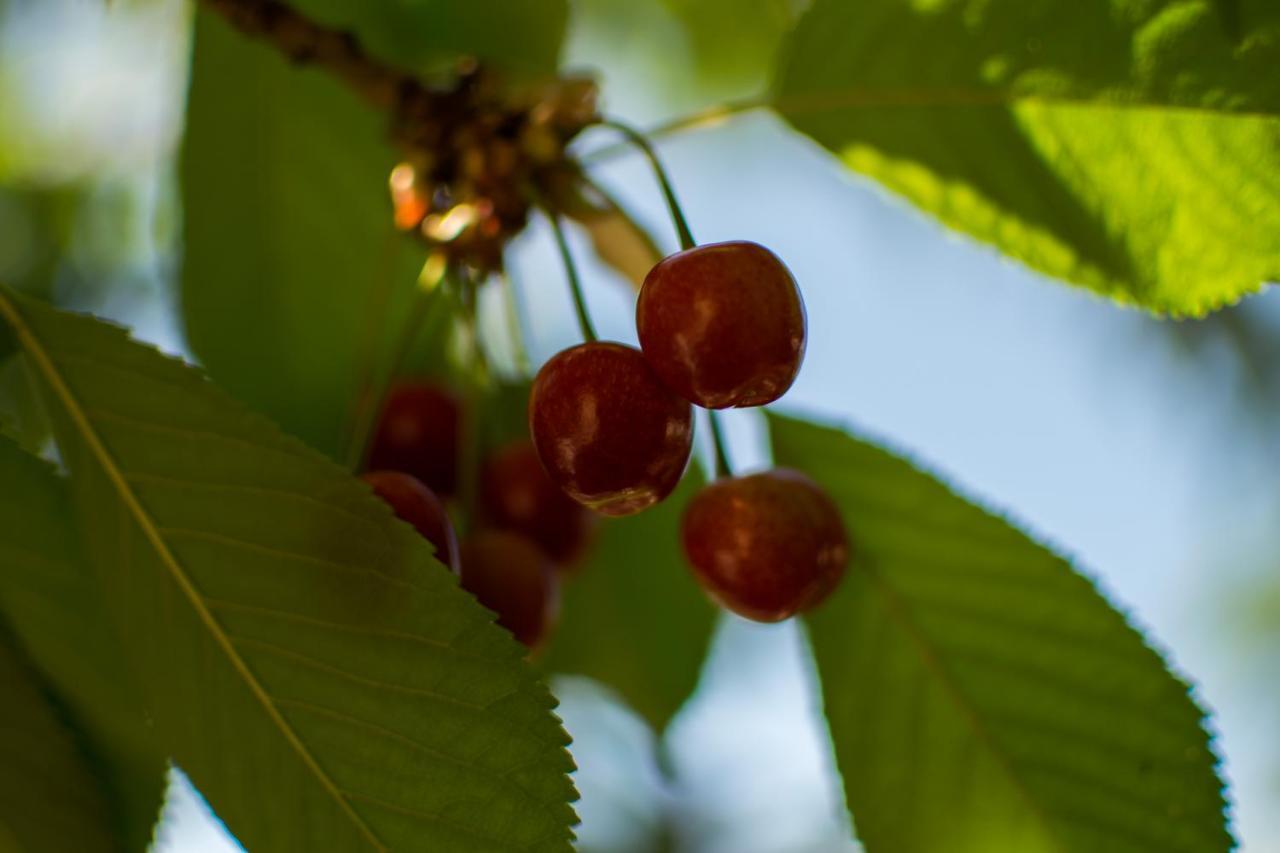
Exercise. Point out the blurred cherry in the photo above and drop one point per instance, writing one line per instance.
(414, 503)
(765, 546)
(417, 433)
(723, 325)
(512, 577)
(517, 495)
(608, 432)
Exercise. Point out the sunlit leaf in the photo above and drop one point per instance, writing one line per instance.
(51, 599)
(1128, 147)
(318, 674)
(982, 695)
(634, 618)
(50, 798)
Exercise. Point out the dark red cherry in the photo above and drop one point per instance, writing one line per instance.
(417, 433)
(608, 432)
(512, 577)
(414, 503)
(517, 495)
(723, 324)
(765, 546)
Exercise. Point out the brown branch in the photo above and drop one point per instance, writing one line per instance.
(307, 43)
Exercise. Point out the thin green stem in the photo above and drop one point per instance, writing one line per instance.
(723, 467)
(571, 273)
(515, 324)
(640, 141)
(477, 382)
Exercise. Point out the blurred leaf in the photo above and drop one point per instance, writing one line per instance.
(1128, 147)
(295, 644)
(50, 799)
(618, 239)
(21, 416)
(52, 601)
(291, 258)
(520, 38)
(735, 40)
(634, 618)
(983, 696)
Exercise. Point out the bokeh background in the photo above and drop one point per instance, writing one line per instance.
(1149, 450)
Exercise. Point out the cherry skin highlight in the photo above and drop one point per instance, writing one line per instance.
(608, 432)
(517, 495)
(723, 325)
(766, 546)
(512, 577)
(417, 433)
(414, 503)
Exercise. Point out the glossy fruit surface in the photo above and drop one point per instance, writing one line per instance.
(512, 577)
(517, 495)
(417, 433)
(414, 503)
(608, 432)
(723, 325)
(766, 546)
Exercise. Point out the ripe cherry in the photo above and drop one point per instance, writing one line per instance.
(512, 577)
(414, 503)
(723, 324)
(765, 546)
(417, 433)
(608, 432)
(517, 495)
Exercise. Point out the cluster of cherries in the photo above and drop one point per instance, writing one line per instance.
(720, 326)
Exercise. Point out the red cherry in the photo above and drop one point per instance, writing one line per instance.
(723, 324)
(512, 577)
(517, 495)
(608, 432)
(414, 503)
(417, 433)
(765, 546)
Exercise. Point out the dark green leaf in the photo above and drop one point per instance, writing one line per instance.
(634, 618)
(519, 37)
(1133, 148)
(52, 601)
(50, 799)
(296, 645)
(293, 273)
(981, 694)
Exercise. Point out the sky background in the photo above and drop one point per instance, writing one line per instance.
(1147, 450)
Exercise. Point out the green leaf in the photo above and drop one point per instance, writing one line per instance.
(296, 645)
(293, 274)
(51, 599)
(50, 799)
(734, 41)
(520, 38)
(983, 696)
(634, 618)
(1127, 147)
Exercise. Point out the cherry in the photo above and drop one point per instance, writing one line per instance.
(417, 433)
(512, 577)
(723, 324)
(765, 546)
(517, 495)
(414, 503)
(608, 432)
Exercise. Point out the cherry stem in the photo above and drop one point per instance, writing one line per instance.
(515, 324)
(640, 141)
(376, 383)
(479, 378)
(571, 272)
(723, 468)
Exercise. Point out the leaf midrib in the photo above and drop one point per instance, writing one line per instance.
(900, 614)
(44, 363)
